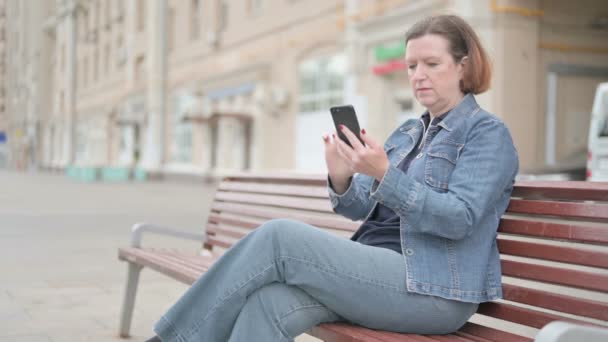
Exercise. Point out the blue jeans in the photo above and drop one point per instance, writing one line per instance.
(286, 277)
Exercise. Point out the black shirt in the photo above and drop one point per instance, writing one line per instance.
(382, 228)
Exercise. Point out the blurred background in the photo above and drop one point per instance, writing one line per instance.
(140, 89)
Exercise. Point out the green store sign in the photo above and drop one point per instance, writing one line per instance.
(386, 53)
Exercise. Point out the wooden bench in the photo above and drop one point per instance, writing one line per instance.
(553, 242)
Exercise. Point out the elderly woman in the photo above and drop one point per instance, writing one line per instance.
(431, 198)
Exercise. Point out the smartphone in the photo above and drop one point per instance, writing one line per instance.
(345, 115)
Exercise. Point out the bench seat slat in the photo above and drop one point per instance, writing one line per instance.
(338, 332)
(471, 337)
(574, 231)
(451, 338)
(561, 209)
(160, 259)
(335, 333)
(396, 337)
(321, 205)
(555, 275)
(567, 254)
(270, 213)
(185, 261)
(203, 262)
(156, 263)
(557, 302)
(491, 334)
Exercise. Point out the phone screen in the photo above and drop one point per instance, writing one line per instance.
(345, 115)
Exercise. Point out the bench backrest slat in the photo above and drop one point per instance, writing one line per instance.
(561, 209)
(335, 222)
(553, 240)
(566, 254)
(315, 204)
(568, 190)
(571, 231)
(556, 275)
(275, 189)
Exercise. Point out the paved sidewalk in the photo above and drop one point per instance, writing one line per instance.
(60, 276)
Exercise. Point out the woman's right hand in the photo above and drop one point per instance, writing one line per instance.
(338, 169)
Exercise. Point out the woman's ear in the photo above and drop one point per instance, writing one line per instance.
(462, 65)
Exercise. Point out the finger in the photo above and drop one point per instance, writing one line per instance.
(345, 150)
(326, 138)
(368, 140)
(342, 156)
(352, 138)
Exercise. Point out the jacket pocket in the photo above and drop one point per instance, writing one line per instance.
(440, 162)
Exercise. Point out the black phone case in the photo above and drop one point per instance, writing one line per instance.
(345, 115)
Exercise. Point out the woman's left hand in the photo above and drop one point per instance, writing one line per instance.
(370, 159)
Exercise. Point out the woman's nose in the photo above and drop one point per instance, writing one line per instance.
(419, 73)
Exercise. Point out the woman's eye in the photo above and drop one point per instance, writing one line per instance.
(411, 66)
(433, 64)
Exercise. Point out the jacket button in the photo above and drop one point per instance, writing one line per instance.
(409, 251)
(419, 155)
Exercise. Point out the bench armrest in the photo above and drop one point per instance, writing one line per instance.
(568, 332)
(138, 230)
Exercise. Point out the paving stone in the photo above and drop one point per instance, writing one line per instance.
(25, 338)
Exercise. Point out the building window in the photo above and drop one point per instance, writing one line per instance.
(96, 65)
(97, 14)
(85, 72)
(119, 10)
(61, 102)
(181, 147)
(84, 27)
(121, 52)
(141, 15)
(106, 59)
(321, 83)
(81, 142)
(171, 29)
(140, 69)
(195, 20)
(223, 14)
(255, 6)
(108, 13)
(604, 128)
(62, 61)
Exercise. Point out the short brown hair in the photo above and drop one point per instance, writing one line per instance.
(463, 41)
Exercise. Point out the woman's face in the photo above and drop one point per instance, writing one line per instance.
(434, 75)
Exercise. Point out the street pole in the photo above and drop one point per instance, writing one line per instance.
(352, 61)
(154, 140)
(69, 122)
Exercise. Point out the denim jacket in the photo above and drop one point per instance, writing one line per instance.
(449, 202)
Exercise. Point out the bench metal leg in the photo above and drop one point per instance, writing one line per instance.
(128, 302)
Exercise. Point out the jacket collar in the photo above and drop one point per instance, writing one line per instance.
(468, 106)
